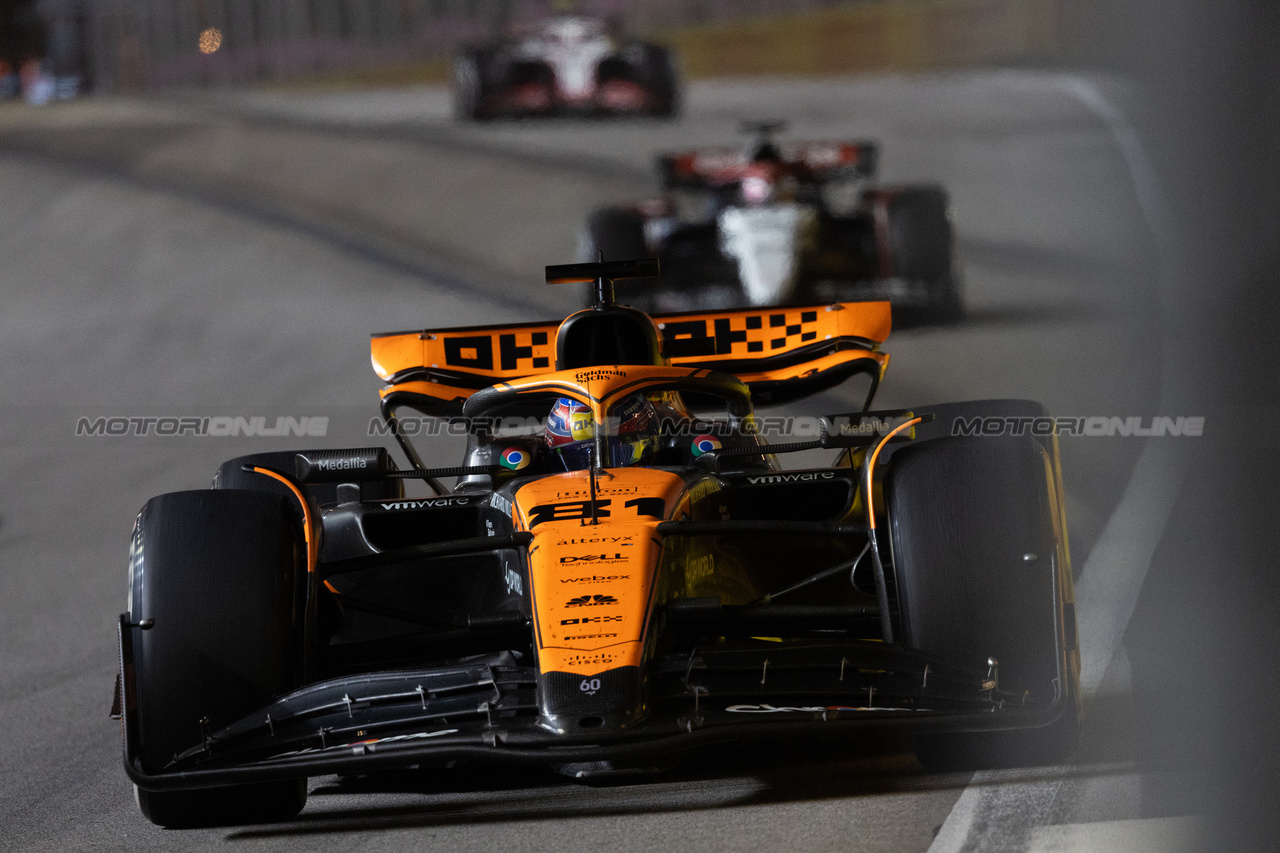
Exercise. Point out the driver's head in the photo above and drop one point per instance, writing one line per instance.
(632, 433)
(766, 182)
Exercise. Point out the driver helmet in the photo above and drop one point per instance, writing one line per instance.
(765, 182)
(632, 436)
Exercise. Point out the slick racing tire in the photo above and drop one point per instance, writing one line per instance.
(469, 85)
(943, 303)
(615, 232)
(216, 573)
(979, 417)
(618, 235)
(980, 568)
(660, 78)
(921, 249)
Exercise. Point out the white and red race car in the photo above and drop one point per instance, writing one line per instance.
(568, 65)
(776, 223)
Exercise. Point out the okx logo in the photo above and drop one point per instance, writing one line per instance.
(590, 600)
(586, 620)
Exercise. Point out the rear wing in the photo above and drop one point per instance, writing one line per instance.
(709, 167)
(782, 354)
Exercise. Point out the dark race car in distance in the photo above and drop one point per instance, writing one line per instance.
(568, 65)
(778, 223)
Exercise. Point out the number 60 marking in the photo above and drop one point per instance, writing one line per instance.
(589, 686)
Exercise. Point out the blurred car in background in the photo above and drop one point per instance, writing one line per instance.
(569, 65)
(42, 48)
(785, 223)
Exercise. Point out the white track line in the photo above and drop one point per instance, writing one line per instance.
(1117, 567)
(1146, 835)
(1113, 575)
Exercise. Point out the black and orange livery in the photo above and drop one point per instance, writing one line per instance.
(781, 353)
(308, 616)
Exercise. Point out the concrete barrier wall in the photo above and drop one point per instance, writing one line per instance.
(135, 44)
(879, 35)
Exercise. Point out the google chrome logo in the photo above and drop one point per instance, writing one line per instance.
(516, 458)
(705, 444)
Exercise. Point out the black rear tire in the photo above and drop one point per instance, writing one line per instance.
(617, 232)
(618, 235)
(964, 513)
(662, 81)
(217, 572)
(469, 85)
(922, 248)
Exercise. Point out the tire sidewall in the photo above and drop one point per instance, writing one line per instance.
(217, 571)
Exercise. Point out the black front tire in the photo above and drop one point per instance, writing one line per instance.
(982, 571)
(217, 574)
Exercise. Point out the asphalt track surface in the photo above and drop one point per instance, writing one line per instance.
(228, 255)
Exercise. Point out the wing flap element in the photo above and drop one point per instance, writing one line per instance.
(782, 353)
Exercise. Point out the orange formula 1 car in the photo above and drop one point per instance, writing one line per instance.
(614, 582)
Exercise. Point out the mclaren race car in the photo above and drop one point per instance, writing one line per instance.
(623, 575)
(568, 65)
(774, 224)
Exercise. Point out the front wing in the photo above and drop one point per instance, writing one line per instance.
(484, 710)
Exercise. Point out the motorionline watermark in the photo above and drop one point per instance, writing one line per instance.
(790, 427)
(812, 427)
(1092, 426)
(512, 427)
(218, 426)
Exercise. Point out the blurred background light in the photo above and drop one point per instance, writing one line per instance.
(210, 40)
